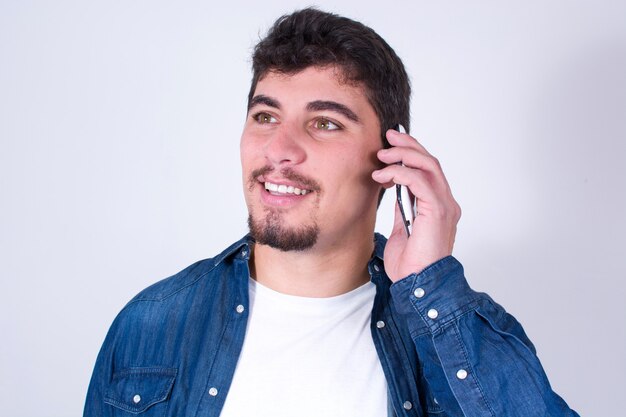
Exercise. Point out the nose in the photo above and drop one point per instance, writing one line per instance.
(285, 146)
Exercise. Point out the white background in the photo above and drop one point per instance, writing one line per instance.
(119, 165)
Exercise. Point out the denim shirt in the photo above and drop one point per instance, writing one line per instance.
(445, 349)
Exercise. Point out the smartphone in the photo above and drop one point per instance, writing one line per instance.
(406, 201)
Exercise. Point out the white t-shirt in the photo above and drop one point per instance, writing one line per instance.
(308, 357)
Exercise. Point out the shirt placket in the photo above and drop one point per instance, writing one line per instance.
(401, 379)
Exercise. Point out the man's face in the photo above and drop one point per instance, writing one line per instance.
(308, 149)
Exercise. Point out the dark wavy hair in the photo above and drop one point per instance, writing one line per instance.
(311, 37)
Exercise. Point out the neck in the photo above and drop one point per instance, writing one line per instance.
(315, 272)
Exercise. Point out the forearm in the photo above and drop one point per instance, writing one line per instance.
(472, 351)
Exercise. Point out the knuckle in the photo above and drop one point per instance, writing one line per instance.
(433, 163)
(456, 208)
(449, 211)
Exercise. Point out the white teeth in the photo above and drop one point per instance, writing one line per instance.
(284, 189)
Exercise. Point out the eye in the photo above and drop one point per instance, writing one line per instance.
(325, 124)
(264, 118)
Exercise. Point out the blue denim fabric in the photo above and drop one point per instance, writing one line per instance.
(173, 349)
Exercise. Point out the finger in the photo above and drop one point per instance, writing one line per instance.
(388, 185)
(416, 180)
(409, 157)
(413, 159)
(433, 202)
(396, 138)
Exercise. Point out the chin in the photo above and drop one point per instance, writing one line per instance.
(272, 232)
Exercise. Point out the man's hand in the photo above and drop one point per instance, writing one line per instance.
(434, 229)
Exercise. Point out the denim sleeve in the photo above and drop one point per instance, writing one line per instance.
(476, 357)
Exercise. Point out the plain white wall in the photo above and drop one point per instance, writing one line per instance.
(119, 165)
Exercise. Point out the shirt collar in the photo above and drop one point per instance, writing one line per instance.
(242, 248)
(379, 246)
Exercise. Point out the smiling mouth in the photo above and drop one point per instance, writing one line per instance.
(282, 189)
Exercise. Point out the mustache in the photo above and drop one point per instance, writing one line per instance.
(287, 173)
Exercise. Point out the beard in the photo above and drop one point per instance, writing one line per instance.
(270, 229)
(272, 232)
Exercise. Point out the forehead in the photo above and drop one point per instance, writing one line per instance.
(313, 83)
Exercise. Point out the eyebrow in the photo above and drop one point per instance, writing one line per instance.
(317, 105)
(321, 105)
(262, 99)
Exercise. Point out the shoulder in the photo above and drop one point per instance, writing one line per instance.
(197, 290)
(176, 283)
(190, 277)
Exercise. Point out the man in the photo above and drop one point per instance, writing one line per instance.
(311, 314)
